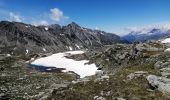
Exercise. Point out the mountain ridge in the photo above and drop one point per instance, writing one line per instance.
(17, 38)
(146, 34)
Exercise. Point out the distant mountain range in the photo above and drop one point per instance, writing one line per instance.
(151, 33)
(24, 38)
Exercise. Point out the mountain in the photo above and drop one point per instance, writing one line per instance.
(142, 35)
(24, 38)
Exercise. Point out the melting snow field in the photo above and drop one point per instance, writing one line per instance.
(60, 61)
(167, 40)
(167, 50)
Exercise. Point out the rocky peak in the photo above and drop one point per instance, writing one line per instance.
(55, 26)
(155, 30)
(73, 25)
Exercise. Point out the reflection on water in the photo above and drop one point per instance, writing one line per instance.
(45, 68)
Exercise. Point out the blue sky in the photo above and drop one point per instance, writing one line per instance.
(107, 15)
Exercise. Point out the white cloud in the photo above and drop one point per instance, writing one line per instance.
(97, 28)
(130, 29)
(41, 22)
(147, 28)
(15, 17)
(57, 15)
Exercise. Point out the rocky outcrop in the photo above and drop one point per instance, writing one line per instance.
(161, 83)
(164, 67)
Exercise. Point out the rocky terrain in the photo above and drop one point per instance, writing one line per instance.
(126, 75)
(137, 71)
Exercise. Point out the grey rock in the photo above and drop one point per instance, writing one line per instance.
(120, 99)
(95, 97)
(82, 80)
(102, 78)
(2, 94)
(136, 75)
(166, 64)
(56, 86)
(161, 83)
(165, 71)
(158, 65)
(100, 98)
(150, 90)
(101, 93)
(121, 56)
(105, 77)
(140, 72)
(99, 73)
(45, 97)
(38, 87)
(3, 75)
(38, 96)
(108, 93)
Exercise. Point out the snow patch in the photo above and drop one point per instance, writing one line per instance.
(31, 60)
(77, 46)
(44, 49)
(27, 26)
(8, 55)
(62, 34)
(27, 51)
(167, 50)
(70, 48)
(167, 40)
(74, 52)
(46, 28)
(84, 29)
(59, 60)
(102, 33)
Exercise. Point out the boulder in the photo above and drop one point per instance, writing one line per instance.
(165, 71)
(161, 83)
(136, 75)
(158, 64)
(166, 64)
